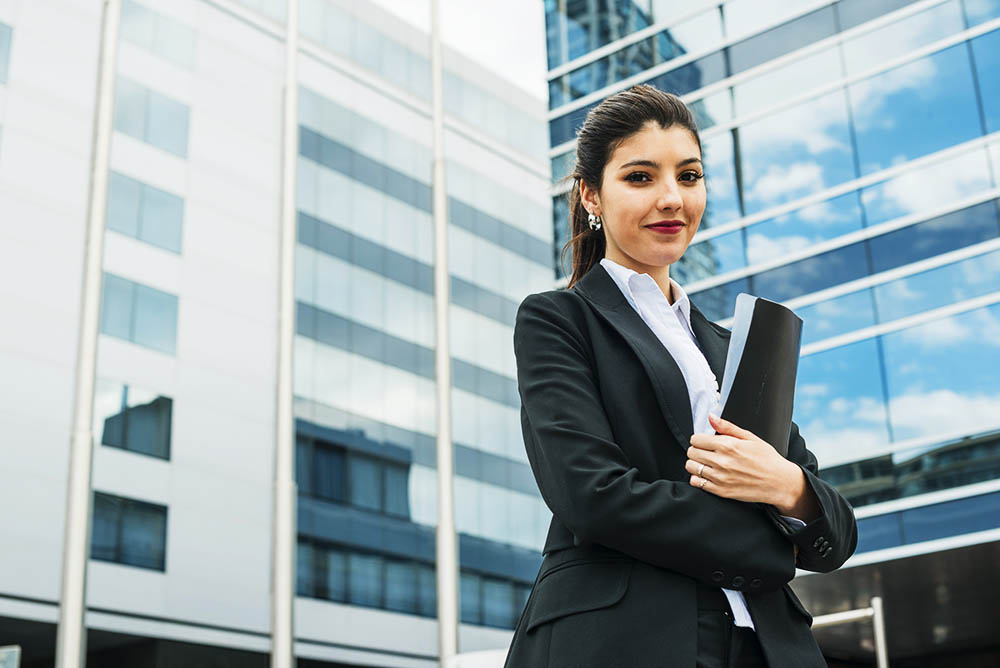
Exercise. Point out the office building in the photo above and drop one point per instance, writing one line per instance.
(187, 367)
(852, 158)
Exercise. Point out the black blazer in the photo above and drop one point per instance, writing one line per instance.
(606, 420)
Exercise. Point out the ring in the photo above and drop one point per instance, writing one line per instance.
(700, 469)
(703, 483)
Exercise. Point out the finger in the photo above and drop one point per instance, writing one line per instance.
(727, 428)
(698, 468)
(705, 441)
(702, 456)
(701, 483)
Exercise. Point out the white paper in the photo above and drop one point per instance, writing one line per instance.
(741, 328)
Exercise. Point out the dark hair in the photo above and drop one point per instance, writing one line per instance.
(607, 125)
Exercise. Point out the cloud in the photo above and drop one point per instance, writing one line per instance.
(942, 411)
(778, 181)
(761, 248)
(927, 187)
(981, 327)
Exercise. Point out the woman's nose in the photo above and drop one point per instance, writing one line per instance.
(670, 198)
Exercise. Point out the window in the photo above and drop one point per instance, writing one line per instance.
(158, 34)
(144, 212)
(132, 419)
(151, 117)
(333, 473)
(130, 532)
(5, 35)
(343, 575)
(139, 314)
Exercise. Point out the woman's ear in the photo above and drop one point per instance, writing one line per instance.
(590, 199)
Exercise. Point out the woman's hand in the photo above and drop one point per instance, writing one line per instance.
(735, 464)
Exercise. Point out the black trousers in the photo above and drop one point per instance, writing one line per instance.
(721, 644)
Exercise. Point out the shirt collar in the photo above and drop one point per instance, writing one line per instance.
(631, 282)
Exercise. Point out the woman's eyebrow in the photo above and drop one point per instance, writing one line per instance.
(654, 164)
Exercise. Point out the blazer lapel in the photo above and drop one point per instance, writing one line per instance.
(714, 342)
(600, 290)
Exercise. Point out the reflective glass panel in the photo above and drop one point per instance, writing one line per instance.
(803, 227)
(401, 586)
(941, 375)
(335, 575)
(124, 195)
(498, 603)
(980, 11)
(939, 287)
(839, 403)
(901, 37)
(305, 575)
(986, 52)
(856, 12)
(779, 40)
(795, 152)
(952, 518)
(711, 257)
(812, 274)
(397, 491)
(130, 108)
(116, 307)
(713, 109)
(162, 216)
(924, 188)
(787, 81)
(104, 538)
(839, 315)
(365, 579)
(5, 33)
(743, 17)
(427, 596)
(932, 237)
(109, 427)
(329, 466)
(167, 126)
(719, 302)
(155, 319)
(143, 536)
(470, 590)
(366, 483)
(147, 417)
(720, 180)
(914, 109)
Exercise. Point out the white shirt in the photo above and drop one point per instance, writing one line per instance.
(671, 323)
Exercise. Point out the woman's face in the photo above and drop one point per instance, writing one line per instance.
(651, 199)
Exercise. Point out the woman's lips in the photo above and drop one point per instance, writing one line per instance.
(666, 228)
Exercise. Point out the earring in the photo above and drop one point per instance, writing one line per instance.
(594, 222)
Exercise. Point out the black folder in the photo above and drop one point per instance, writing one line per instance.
(758, 385)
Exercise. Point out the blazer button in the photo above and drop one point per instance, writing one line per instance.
(827, 551)
(755, 583)
(819, 542)
(718, 576)
(738, 582)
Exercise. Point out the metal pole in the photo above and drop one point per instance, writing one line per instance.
(447, 547)
(283, 551)
(71, 634)
(878, 623)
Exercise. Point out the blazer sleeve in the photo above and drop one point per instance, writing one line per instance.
(829, 540)
(587, 482)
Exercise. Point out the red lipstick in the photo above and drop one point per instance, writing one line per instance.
(667, 226)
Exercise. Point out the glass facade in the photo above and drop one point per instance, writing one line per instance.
(852, 174)
(364, 287)
(185, 403)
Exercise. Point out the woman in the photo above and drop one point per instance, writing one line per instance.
(674, 534)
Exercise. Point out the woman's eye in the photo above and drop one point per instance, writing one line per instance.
(691, 177)
(638, 177)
